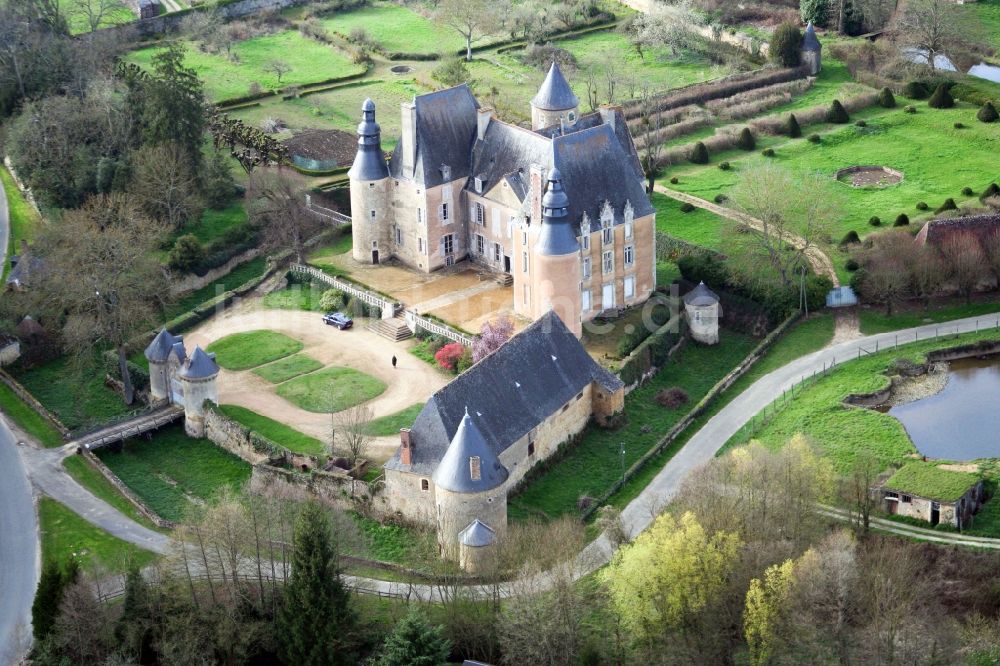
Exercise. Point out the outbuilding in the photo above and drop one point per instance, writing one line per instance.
(932, 493)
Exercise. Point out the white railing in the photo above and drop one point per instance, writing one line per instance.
(327, 213)
(415, 321)
(388, 308)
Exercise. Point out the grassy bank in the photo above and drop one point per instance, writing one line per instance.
(277, 432)
(331, 390)
(78, 397)
(88, 477)
(24, 220)
(27, 419)
(65, 534)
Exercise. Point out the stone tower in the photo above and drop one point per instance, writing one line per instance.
(165, 354)
(371, 209)
(555, 102)
(556, 254)
(701, 305)
(468, 487)
(197, 375)
(812, 50)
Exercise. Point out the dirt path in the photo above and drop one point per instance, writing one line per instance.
(846, 326)
(410, 382)
(817, 258)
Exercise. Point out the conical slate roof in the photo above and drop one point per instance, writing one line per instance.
(701, 296)
(809, 41)
(201, 366)
(477, 535)
(159, 349)
(555, 93)
(369, 163)
(457, 468)
(557, 236)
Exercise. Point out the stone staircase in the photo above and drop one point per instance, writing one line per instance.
(394, 329)
(505, 279)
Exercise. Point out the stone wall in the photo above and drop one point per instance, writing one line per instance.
(191, 282)
(25, 395)
(404, 492)
(158, 25)
(10, 351)
(233, 437)
(337, 490)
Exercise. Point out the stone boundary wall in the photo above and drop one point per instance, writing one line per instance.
(120, 486)
(337, 490)
(25, 394)
(158, 25)
(240, 441)
(863, 168)
(190, 282)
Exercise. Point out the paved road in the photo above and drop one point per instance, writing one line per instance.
(19, 550)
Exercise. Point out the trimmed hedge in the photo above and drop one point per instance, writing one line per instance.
(988, 113)
(792, 128)
(941, 99)
(699, 154)
(886, 99)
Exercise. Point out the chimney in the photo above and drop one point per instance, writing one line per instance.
(609, 114)
(405, 449)
(409, 137)
(536, 181)
(483, 120)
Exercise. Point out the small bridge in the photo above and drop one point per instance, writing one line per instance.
(131, 427)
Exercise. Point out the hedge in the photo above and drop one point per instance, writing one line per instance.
(653, 351)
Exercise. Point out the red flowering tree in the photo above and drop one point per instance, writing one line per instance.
(491, 336)
(447, 357)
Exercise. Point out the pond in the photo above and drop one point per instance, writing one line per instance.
(942, 62)
(961, 422)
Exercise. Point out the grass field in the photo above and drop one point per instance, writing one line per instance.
(288, 367)
(875, 320)
(698, 226)
(936, 159)
(88, 477)
(311, 62)
(78, 398)
(295, 297)
(394, 543)
(389, 425)
(237, 277)
(331, 389)
(28, 419)
(172, 471)
(65, 534)
(241, 351)
(290, 438)
(24, 220)
(988, 13)
(79, 23)
(593, 464)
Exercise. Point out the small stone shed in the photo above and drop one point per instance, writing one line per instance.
(701, 305)
(929, 492)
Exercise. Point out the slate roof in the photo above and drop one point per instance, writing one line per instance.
(446, 129)
(508, 393)
(23, 267)
(809, 40)
(159, 349)
(454, 472)
(477, 535)
(557, 236)
(555, 93)
(369, 162)
(201, 366)
(701, 296)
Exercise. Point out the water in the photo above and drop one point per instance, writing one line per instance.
(962, 422)
(943, 63)
(985, 71)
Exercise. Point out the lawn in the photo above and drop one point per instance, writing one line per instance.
(874, 321)
(288, 367)
(399, 29)
(173, 472)
(24, 220)
(236, 278)
(214, 223)
(331, 390)
(277, 432)
(592, 465)
(296, 297)
(88, 477)
(387, 542)
(389, 425)
(936, 159)
(241, 351)
(78, 398)
(698, 226)
(78, 22)
(28, 419)
(65, 534)
(988, 13)
(310, 62)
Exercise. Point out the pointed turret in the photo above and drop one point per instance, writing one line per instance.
(812, 50)
(469, 465)
(370, 198)
(809, 40)
(369, 163)
(557, 236)
(554, 102)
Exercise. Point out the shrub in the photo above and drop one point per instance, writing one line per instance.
(991, 191)
(850, 238)
(815, 138)
(852, 265)
(451, 73)
(786, 45)
(674, 180)
(464, 361)
(721, 198)
(767, 152)
(837, 113)
(915, 90)
(254, 89)
(672, 397)
(949, 204)
(861, 123)
(746, 140)
(959, 126)
(187, 254)
(331, 299)
(941, 99)
(447, 357)
(886, 99)
(875, 221)
(922, 205)
(703, 267)
(687, 207)
(725, 166)
(988, 113)
(792, 128)
(967, 192)
(910, 108)
(901, 220)
(817, 11)
(699, 154)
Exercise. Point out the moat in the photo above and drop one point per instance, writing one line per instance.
(962, 421)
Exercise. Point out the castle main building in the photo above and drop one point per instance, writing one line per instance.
(562, 207)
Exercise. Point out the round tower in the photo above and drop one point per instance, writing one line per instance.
(557, 275)
(371, 209)
(198, 377)
(555, 102)
(158, 355)
(812, 50)
(468, 486)
(701, 306)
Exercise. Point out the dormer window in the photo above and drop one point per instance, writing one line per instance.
(571, 116)
(445, 172)
(475, 468)
(478, 184)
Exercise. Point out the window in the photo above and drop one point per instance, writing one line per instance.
(374, 245)
(443, 212)
(478, 182)
(629, 255)
(571, 116)
(420, 216)
(905, 499)
(585, 300)
(371, 214)
(399, 237)
(586, 268)
(630, 286)
(480, 214)
(579, 395)
(608, 261)
(425, 484)
(608, 296)
(475, 470)
(445, 172)
(628, 230)
(448, 242)
(497, 251)
(371, 186)
(524, 238)
(531, 448)
(524, 262)
(420, 245)
(527, 294)
(585, 242)
(608, 236)
(480, 244)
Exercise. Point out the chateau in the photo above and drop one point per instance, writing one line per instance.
(561, 208)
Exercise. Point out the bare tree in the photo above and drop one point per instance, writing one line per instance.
(611, 70)
(278, 201)
(966, 262)
(651, 123)
(96, 11)
(279, 68)
(886, 278)
(876, 13)
(857, 488)
(927, 273)
(933, 27)
(164, 185)
(592, 81)
(472, 19)
(350, 432)
(667, 25)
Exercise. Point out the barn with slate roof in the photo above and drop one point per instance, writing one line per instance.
(462, 184)
(476, 438)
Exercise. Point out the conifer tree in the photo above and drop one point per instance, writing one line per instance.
(745, 141)
(51, 586)
(316, 621)
(941, 99)
(415, 642)
(699, 154)
(988, 113)
(792, 128)
(837, 113)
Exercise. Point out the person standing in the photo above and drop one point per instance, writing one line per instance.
(394, 362)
